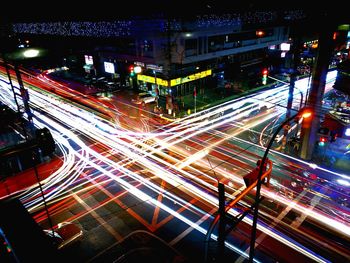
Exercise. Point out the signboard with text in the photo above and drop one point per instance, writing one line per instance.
(89, 60)
(109, 67)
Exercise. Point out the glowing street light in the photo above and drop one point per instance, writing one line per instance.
(44, 134)
(13, 58)
(24, 53)
(31, 53)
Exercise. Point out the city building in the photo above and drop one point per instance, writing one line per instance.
(173, 57)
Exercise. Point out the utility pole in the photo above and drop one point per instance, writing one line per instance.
(24, 93)
(314, 102)
(295, 62)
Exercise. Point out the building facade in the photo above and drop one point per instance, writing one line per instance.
(173, 57)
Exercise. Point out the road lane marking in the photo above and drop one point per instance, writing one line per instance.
(98, 218)
(276, 221)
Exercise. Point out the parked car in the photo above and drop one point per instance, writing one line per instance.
(65, 234)
(143, 98)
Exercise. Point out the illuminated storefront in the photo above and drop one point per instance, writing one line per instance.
(175, 87)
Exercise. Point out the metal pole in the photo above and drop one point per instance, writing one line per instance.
(19, 79)
(258, 188)
(24, 93)
(301, 99)
(195, 104)
(287, 83)
(44, 200)
(15, 96)
(222, 222)
(195, 99)
(295, 62)
(232, 204)
(11, 84)
(157, 87)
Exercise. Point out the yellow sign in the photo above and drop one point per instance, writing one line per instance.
(192, 77)
(162, 82)
(174, 82)
(146, 78)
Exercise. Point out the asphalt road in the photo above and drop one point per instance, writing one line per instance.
(162, 178)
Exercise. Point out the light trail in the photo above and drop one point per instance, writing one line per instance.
(99, 130)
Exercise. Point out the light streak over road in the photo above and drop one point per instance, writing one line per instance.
(74, 127)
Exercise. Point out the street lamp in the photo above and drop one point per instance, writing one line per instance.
(25, 53)
(303, 113)
(11, 59)
(44, 134)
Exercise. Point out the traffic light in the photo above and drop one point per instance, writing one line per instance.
(322, 141)
(264, 76)
(131, 71)
(45, 141)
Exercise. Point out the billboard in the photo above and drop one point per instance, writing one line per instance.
(109, 67)
(89, 60)
(285, 46)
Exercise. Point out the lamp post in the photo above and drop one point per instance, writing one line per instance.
(11, 61)
(303, 114)
(13, 58)
(157, 87)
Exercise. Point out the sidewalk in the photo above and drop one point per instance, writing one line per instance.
(207, 98)
(19, 182)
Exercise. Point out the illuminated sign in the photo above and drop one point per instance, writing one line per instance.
(347, 132)
(151, 79)
(285, 46)
(109, 67)
(89, 60)
(174, 82)
(137, 69)
(145, 78)
(162, 82)
(154, 67)
(189, 78)
(138, 63)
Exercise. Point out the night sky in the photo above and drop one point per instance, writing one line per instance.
(64, 10)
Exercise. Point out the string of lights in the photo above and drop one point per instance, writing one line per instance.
(119, 28)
